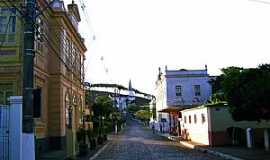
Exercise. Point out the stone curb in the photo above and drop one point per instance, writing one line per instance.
(204, 150)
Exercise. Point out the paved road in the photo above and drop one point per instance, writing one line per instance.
(138, 143)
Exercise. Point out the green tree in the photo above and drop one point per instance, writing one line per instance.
(103, 106)
(154, 113)
(247, 92)
(133, 108)
(217, 93)
(143, 115)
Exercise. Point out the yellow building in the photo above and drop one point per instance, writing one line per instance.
(58, 70)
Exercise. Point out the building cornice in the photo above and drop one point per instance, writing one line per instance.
(186, 75)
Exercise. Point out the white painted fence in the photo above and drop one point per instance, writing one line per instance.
(14, 145)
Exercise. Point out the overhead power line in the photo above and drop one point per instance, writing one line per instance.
(87, 17)
(261, 1)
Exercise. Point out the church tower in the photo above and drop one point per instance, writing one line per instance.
(131, 93)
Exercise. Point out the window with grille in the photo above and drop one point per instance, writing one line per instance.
(178, 90)
(195, 118)
(197, 90)
(203, 118)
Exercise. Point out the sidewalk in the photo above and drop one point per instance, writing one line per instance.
(60, 155)
(226, 152)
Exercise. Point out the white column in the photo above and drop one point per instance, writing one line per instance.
(28, 150)
(266, 139)
(249, 138)
(27, 140)
(15, 125)
(115, 129)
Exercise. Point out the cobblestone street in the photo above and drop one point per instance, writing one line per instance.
(138, 143)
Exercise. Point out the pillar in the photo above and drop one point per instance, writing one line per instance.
(15, 128)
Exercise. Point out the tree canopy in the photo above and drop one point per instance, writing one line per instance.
(133, 108)
(103, 106)
(247, 92)
(143, 115)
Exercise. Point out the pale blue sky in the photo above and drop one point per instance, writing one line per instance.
(135, 37)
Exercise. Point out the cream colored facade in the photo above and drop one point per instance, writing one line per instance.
(58, 72)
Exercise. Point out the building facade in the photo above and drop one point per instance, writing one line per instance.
(58, 70)
(177, 90)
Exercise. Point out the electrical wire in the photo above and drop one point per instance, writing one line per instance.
(54, 45)
(261, 1)
(87, 17)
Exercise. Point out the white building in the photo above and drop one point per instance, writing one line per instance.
(177, 90)
(212, 125)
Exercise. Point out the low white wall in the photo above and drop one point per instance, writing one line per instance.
(197, 132)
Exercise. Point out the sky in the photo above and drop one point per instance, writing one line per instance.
(135, 37)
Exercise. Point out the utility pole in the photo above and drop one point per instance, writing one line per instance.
(28, 61)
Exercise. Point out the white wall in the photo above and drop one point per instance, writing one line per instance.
(198, 132)
(160, 95)
(217, 119)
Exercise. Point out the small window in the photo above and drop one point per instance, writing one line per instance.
(195, 118)
(203, 118)
(189, 119)
(197, 90)
(178, 90)
(185, 119)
